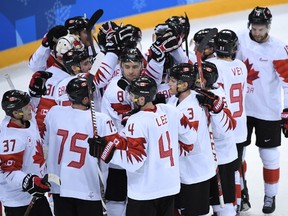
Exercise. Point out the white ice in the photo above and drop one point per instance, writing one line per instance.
(20, 76)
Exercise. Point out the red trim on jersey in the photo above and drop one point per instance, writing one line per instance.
(136, 149)
(281, 67)
(12, 162)
(231, 121)
(12, 124)
(184, 148)
(271, 176)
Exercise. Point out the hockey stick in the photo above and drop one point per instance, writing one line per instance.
(186, 33)
(8, 79)
(48, 178)
(199, 51)
(94, 18)
(95, 134)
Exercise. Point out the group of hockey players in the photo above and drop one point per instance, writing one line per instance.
(162, 133)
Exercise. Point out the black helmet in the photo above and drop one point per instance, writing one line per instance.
(210, 73)
(76, 24)
(104, 31)
(74, 57)
(77, 90)
(143, 87)
(260, 15)
(131, 54)
(226, 43)
(184, 72)
(198, 37)
(179, 24)
(14, 100)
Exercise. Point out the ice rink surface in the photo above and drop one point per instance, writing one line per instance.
(20, 76)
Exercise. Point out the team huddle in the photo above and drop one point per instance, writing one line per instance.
(157, 134)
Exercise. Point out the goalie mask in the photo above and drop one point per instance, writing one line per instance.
(67, 43)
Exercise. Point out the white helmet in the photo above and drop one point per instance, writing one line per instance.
(67, 42)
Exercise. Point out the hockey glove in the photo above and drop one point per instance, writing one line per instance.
(116, 41)
(162, 45)
(37, 86)
(50, 39)
(106, 31)
(209, 100)
(284, 125)
(35, 185)
(100, 148)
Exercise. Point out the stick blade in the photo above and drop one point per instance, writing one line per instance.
(206, 39)
(94, 18)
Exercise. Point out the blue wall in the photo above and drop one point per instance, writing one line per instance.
(24, 21)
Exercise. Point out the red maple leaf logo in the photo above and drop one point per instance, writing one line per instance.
(120, 108)
(136, 149)
(252, 74)
(39, 156)
(185, 122)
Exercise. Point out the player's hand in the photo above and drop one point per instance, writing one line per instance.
(127, 115)
(50, 39)
(209, 100)
(35, 185)
(284, 124)
(100, 148)
(37, 86)
(162, 45)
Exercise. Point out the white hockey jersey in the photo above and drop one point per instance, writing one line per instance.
(21, 153)
(152, 155)
(68, 150)
(199, 165)
(233, 79)
(267, 72)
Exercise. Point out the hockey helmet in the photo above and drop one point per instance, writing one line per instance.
(77, 89)
(226, 43)
(67, 43)
(131, 55)
(14, 100)
(74, 57)
(143, 87)
(198, 37)
(260, 15)
(210, 73)
(76, 24)
(184, 72)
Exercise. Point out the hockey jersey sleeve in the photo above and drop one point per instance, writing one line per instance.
(106, 69)
(179, 56)
(154, 69)
(281, 68)
(38, 61)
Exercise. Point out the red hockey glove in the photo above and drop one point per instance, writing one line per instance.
(37, 86)
(284, 124)
(35, 185)
(100, 148)
(209, 100)
(50, 39)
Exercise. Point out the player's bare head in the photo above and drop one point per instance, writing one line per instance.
(132, 63)
(77, 90)
(13, 103)
(210, 74)
(182, 78)
(226, 43)
(142, 90)
(76, 61)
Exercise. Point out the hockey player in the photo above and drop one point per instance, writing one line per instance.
(266, 74)
(22, 160)
(153, 170)
(209, 51)
(201, 161)
(67, 131)
(232, 78)
(58, 73)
